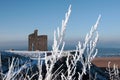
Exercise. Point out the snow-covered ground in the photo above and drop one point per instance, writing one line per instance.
(35, 54)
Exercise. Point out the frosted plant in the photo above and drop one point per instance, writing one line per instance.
(13, 71)
(39, 73)
(113, 72)
(56, 45)
(58, 39)
(40, 68)
(89, 47)
(80, 55)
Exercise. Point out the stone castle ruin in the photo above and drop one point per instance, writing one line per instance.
(36, 42)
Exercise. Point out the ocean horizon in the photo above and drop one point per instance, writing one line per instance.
(102, 52)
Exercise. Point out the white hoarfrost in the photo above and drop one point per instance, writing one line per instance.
(113, 72)
(87, 47)
(56, 45)
(13, 71)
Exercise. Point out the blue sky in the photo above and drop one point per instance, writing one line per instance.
(18, 18)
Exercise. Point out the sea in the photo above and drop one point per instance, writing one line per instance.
(108, 52)
(102, 52)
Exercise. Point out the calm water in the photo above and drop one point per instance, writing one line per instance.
(108, 52)
(102, 52)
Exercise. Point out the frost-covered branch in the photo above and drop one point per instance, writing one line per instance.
(58, 39)
(89, 47)
(14, 70)
(40, 68)
(56, 45)
(113, 72)
(80, 55)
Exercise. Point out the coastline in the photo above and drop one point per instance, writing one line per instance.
(103, 61)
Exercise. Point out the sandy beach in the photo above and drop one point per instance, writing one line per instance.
(103, 61)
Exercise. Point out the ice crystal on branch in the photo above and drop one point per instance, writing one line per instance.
(56, 45)
(84, 54)
(113, 72)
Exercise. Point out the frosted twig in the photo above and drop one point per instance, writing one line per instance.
(56, 44)
(39, 68)
(113, 72)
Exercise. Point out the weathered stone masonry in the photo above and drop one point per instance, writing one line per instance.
(36, 42)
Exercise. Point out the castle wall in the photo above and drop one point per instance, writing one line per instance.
(36, 42)
(42, 42)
